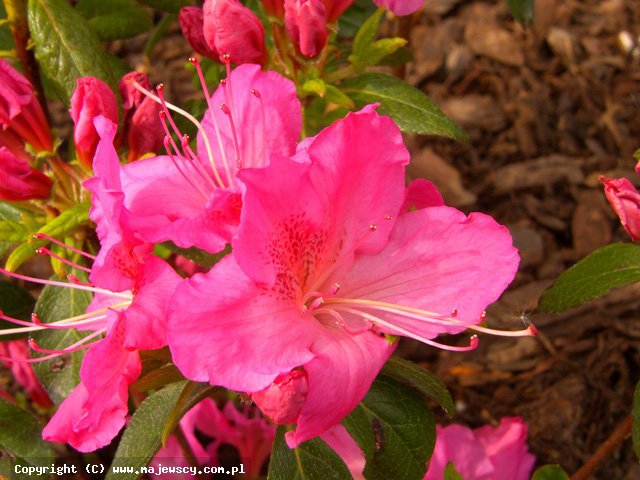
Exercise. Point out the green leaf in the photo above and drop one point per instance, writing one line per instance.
(522, 10)
(395, 430)
(334, 95)
(169, 6)
(158, 378)
(635, 429)
(65, 223)
(398, 58)
(13, 232)
(65, 46)
(550, 472)
(8, 213)
(191, 394)
(197, 255)
(15, 302)
(116, 18)
(351, 20)
(21, 435)
(421, 380)
(142, 437)
(450, 472)
(364, 39)
(383, 48)
(411, 109)
(606, 268)
(312, 460)
(60, 375)
(315, 85)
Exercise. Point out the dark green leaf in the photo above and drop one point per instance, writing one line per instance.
(197, 255)
(21, 435)
(60, 375)
(142, 437)
(6, 39)
(635, 430)
(364, 39)
(606, 268)
(191, 394)
(395, 430)
(522, 10)
(450, 472)
(351, 20)
(169, 6)
(312, 460)
(116, 18)
(158, 378)
(398, 58)
(65, 46)
(15, 302)
(411, 109)
(62, 225)
(550, 472)
(420, 379)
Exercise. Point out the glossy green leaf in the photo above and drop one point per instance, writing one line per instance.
(65, 46)
(21, 435)
(64, 224)
(522, 10)
(421, 380)
(142, 437)
(635, 429)
(116, 18)
(411, 109)
(450, 472)
(169, 6)
(198, 255)
(550, 472)
(606, 268)
(395, 429)
(60, 375)
(312, 460)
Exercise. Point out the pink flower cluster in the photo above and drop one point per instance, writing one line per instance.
(227, 28)
(332, 258)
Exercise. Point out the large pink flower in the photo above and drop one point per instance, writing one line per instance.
(195, 199)
(324, 263)
(486, 453)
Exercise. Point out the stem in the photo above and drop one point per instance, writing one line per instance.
(610, 445)
(17, 16)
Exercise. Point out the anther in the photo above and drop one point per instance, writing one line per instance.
(335, 288)
(226, 58)
(36, 319)
(533, 330)
(193, 60)
(255, 93)
(388, 217)
(483, 316)
(225, 109)
(454, 313)
(373, 227)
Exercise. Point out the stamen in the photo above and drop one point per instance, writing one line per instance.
(46, 251)
(530, 331)
(9, 319)
(67, 326)
(62, 284)
(192, 119)
(341, 322)
(263, 160)
(195, 162)
(75, 280)
(79, 345)
(57, 242)
(168, 142)
(194, 61)
(236, 147)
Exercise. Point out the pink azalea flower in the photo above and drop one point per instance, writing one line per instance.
(23, 372)
(195, 199)
(192, 25)
(486, 453)
(92, 97)
(307, 26)
(625, 201)
(21, 117)
(20, 181)
(324, 264)
(400, 7)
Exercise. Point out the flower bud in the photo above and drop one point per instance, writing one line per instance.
(19, 180)
(92, 97)
(274, 7)
(307, 25)
(625, 200)
(282, 400)
(192, 25)
(142, 123)
(21, 117)
(234, 30)
(400, 7)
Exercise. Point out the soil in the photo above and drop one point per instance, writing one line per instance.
(548, 108)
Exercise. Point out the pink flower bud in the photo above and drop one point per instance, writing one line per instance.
(625, 200)
(274, 7)
(234, 30)
(142, 122)
(335, 8)
(20, 111)
(192, 25)
(307, 25)
(400, 7)
(19, 180)
(23, 372)
(92, 97)
(282, 400)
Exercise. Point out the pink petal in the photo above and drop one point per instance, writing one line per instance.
(226, 330)
(341, 442)
(400, 7)
(438, 260)
(420, 194)
(625, 201)
(339, 378)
